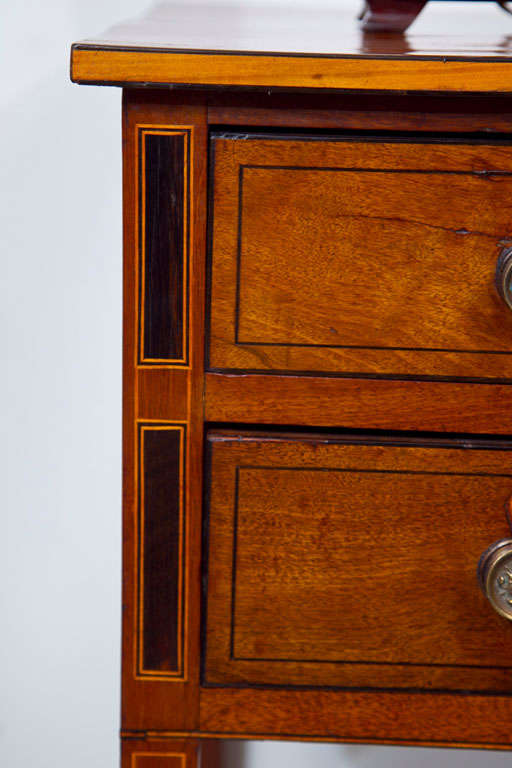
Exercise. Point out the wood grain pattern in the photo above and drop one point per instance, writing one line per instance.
(161, 396)
(153, 701)
(209, 736)
(308, 31)
(357, 257)
(389, 718)
(324, 557)
(359, 403)
(320, 48)
(356, 111)
(108, 66)
(162, 718)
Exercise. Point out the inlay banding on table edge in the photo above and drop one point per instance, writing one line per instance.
(158, 760)
(164, 198)
(160, 542)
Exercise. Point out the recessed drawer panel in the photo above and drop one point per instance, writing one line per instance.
(349, 563)
(360, 257)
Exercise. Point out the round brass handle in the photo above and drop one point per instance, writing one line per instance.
(503, 276)
(495, 576)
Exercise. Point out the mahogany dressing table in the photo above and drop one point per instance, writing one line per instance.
(317, 379)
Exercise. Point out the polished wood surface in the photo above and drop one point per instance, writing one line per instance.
(324, 556)
(457, 720)
(164, 396)
(309, 573)
(320, 48)
(359, 403)
(349, 111)
(322, 29)
(171, 393)
(161, 753)
(357, 257)
(96, 66)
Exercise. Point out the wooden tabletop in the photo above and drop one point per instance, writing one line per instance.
(258, 46)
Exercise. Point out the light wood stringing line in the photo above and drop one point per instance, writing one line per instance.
(135, 755)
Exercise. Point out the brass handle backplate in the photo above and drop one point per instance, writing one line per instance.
(503, 276)
(495, 576)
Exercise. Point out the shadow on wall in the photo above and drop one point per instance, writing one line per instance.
(273, 754)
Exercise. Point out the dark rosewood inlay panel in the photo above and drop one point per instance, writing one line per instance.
(164, 235)
(160, 542)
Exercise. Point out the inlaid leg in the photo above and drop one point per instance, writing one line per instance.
(165, 150)
(160, 753)
(211, 753)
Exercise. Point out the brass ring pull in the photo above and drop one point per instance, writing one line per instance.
(503, 276)
(495, 576)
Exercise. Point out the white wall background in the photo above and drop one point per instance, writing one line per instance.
(60, 566)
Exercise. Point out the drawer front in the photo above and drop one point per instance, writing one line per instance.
(352, 564)
(360, 257)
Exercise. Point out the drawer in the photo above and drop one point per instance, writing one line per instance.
(359, 256)
(351, 562)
